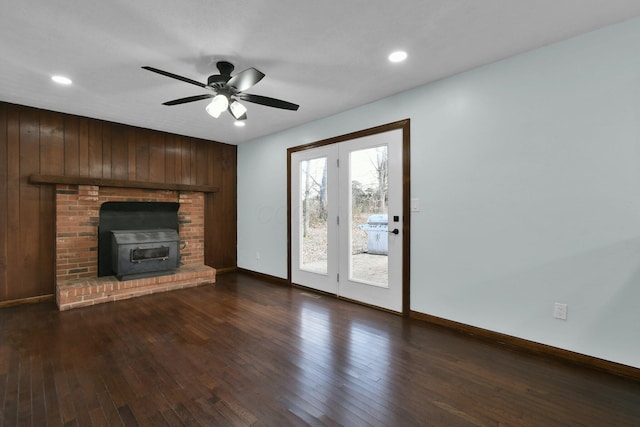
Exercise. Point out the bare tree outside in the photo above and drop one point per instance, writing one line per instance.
(314, 210)
(369, 183)
(382, 170)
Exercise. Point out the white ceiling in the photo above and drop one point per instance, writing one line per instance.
(327, 56)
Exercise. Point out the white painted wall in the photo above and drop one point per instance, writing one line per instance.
(528, 175)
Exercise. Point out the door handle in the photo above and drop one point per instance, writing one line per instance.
(394, 231)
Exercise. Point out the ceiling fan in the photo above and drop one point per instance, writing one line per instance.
(227, 91)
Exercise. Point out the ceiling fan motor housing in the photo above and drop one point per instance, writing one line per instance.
(225, 68)
(217, 80)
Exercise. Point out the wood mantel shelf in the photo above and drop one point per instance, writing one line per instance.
(103, 182)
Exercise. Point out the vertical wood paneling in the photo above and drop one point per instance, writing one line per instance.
(71, 145)
(29, 222)
(83, 147)
(106, 151)
(95, 149)
(131, 148)
(142, 155)
(202, 159)
(185, 160)
(193, 164)
(13, 201)
(119, 153)
(156, 157)
(35, 141)
(178, 158)
(3, 201)
(170, 159)
(52, 162)
(51, 143)
(212, 253)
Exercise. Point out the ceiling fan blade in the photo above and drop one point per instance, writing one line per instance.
(269, 102)
(245, 79)
(174, 76)
(188, 99)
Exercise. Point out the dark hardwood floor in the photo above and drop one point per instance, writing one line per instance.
(248, 352)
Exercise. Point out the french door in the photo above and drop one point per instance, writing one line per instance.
(347, 219)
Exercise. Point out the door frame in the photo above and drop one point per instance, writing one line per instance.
(405, 126)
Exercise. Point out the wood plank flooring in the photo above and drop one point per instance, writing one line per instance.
(250, 353)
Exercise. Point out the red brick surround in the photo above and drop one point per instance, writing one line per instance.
(77, 214)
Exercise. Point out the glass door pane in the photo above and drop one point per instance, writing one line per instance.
(313, 215)
(369, 216)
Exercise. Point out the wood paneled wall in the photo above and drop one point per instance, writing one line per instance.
(34, 141)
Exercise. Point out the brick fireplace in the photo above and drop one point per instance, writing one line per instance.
(77, 213)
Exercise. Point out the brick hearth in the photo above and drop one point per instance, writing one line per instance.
(77, 216)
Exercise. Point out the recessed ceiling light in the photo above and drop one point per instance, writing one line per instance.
(398, 56)
(61, 80)
(239, 123)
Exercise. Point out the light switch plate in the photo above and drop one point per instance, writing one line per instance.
(560, 311)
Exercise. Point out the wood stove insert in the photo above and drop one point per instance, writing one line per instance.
(144, 228)
(144, 253)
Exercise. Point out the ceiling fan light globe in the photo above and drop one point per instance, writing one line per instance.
(237, 109)
(220, 101)
(212, 110)
(218, 104)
